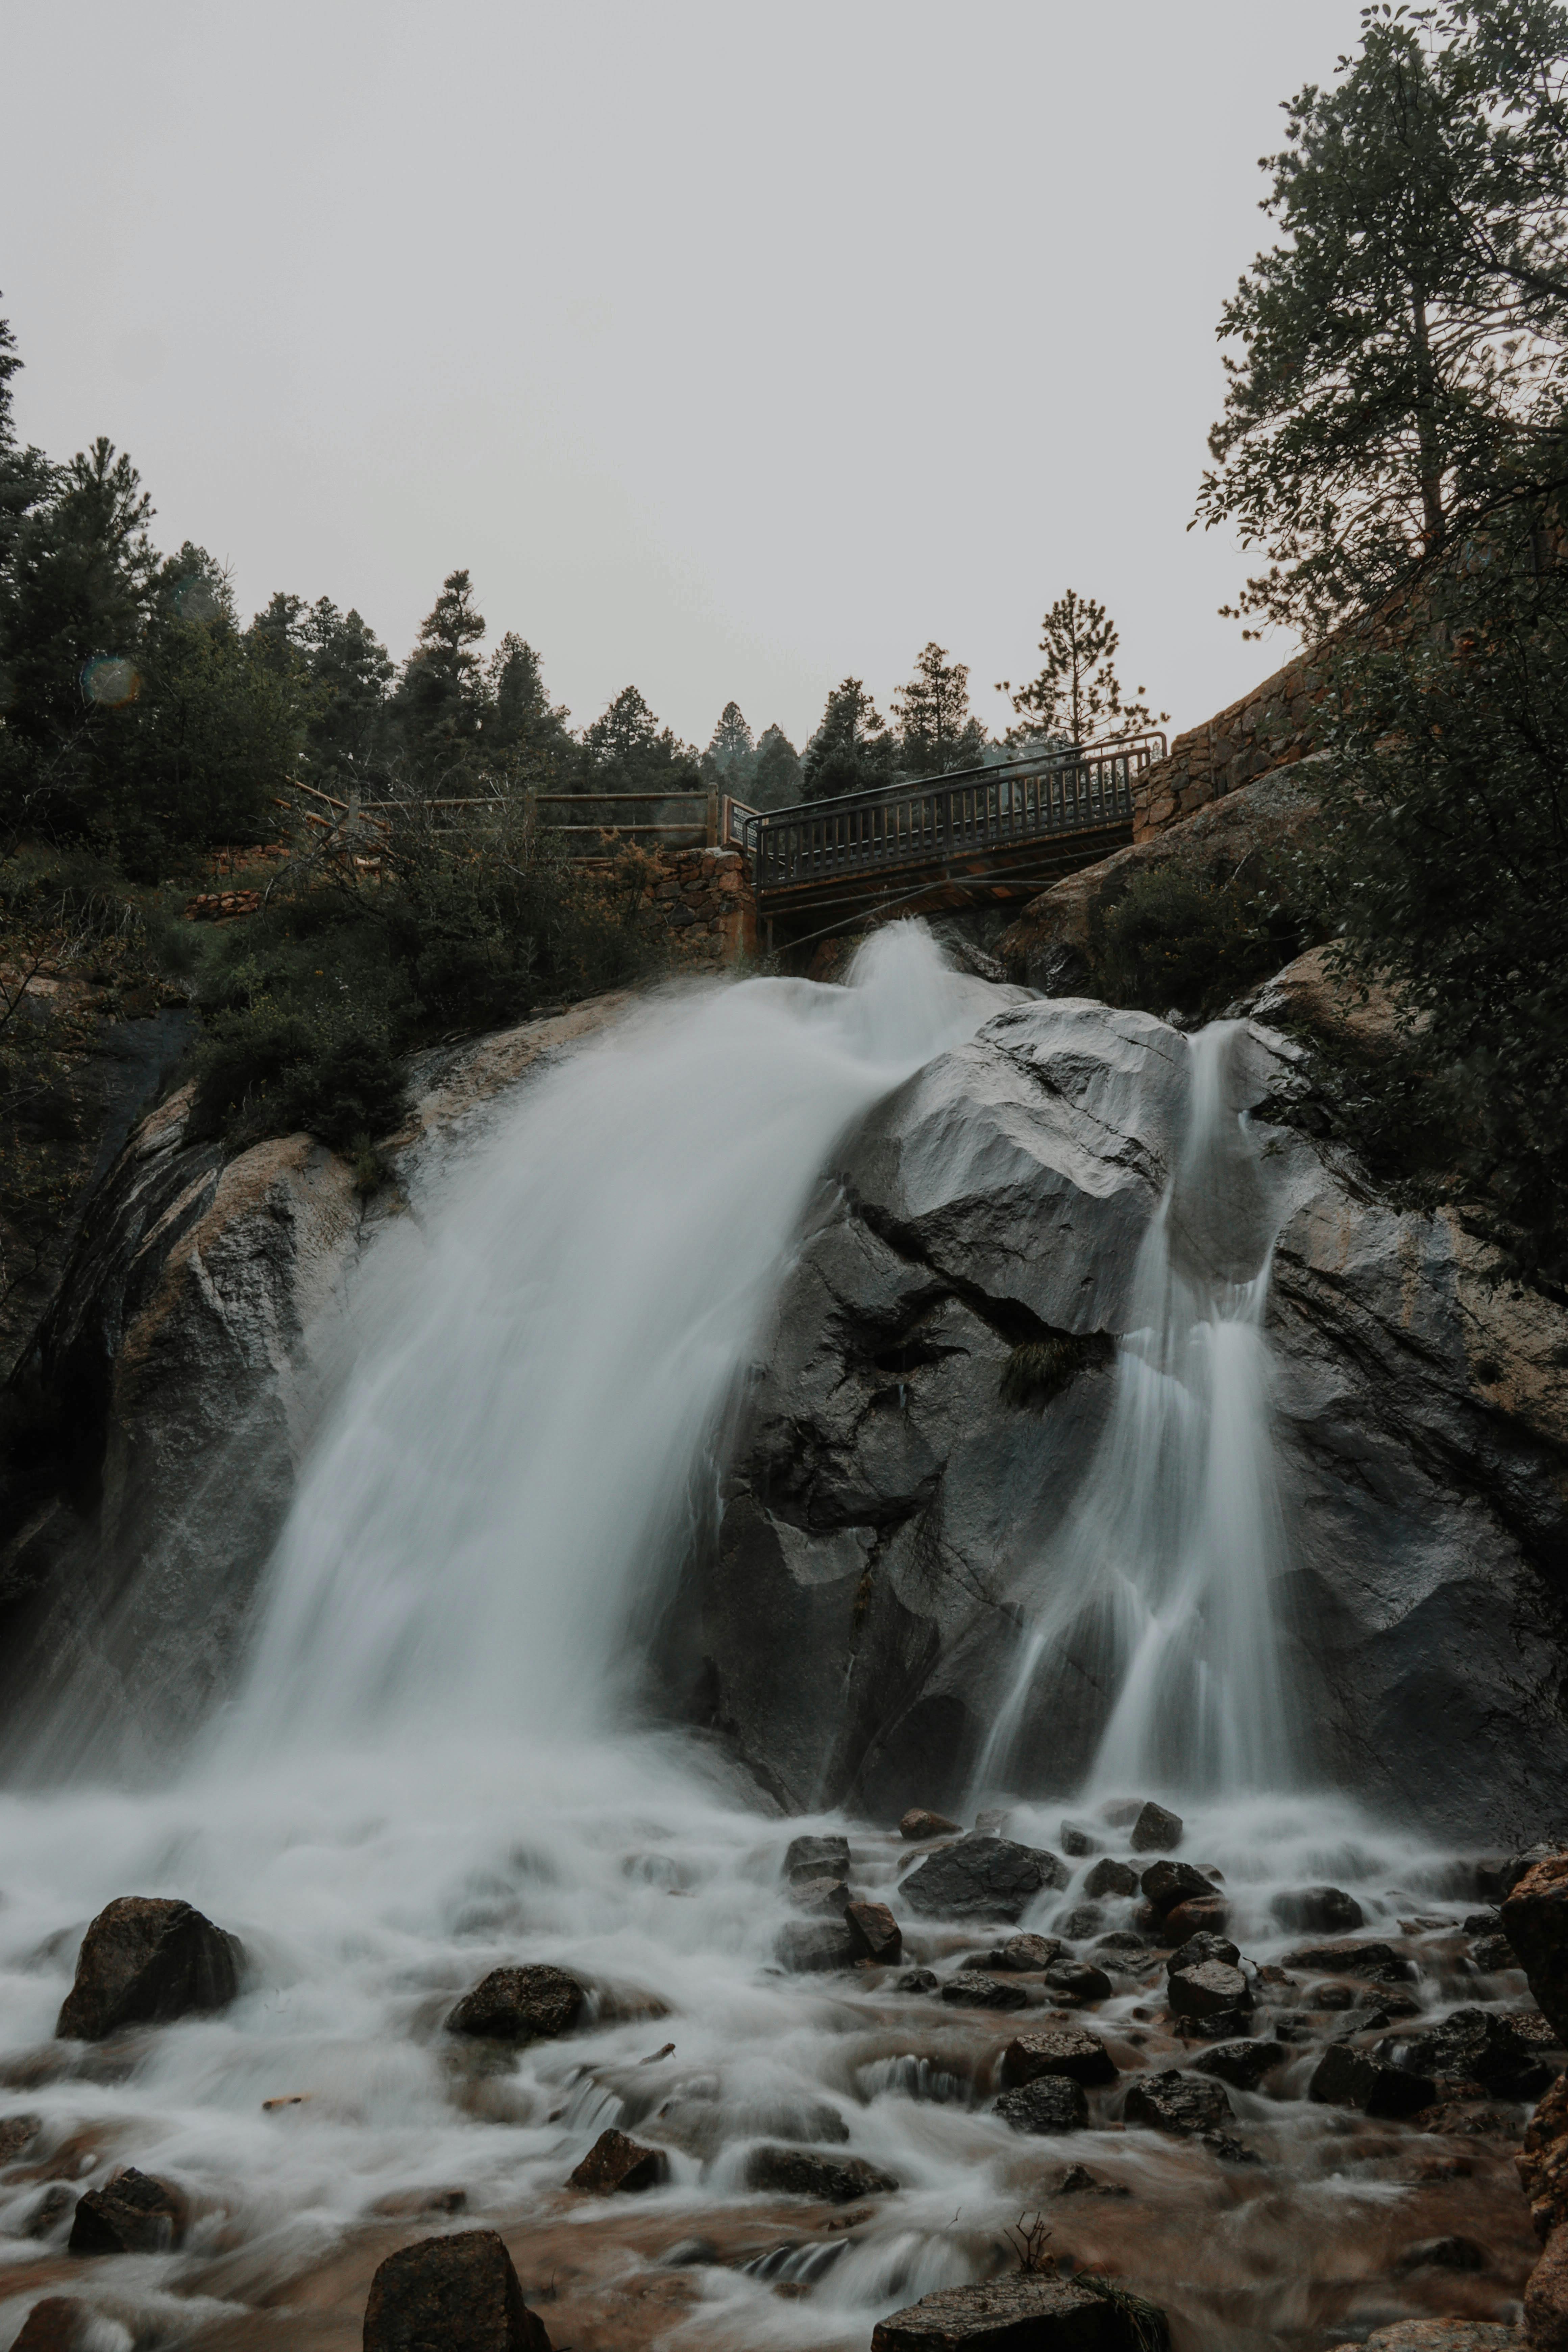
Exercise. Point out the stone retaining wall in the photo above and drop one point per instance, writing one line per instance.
(707, 898)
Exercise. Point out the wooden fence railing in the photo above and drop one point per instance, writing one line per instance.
(933, 818)
(679, 819)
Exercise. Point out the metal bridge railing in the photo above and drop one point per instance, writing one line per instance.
(936, 817)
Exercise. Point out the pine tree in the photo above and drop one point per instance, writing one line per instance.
(852, 749)
(937, 729)
(730, 754)
(776, 777)
(525, 730)
(1076, 695)
(1402, 346)
(440, 703)
(625, 750)
(349, 672)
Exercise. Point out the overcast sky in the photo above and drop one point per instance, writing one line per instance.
(730, 348)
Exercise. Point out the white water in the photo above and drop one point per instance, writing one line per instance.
(1162, 1581)
(433, 1767)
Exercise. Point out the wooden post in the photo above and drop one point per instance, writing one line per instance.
(713, 820)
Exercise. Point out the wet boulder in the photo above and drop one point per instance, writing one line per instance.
(1546, 2297)
(1349, 2078)
(1076, 1841)
(1024, 2312)
(1208, 1989)
(1317, 1911)
(816, 1857)
(1155, 1831)
(807, 1947)
(875, 1932)
(18, 2134)
(918, 1825)
(59, 2324)
(1077, 1980)
(1028, 1955)
(1109, 1876)
(1204, 1914)
(970, 1990)
(1201, 1948)
(1542, 2161)
(1442, 2255)
(917, 1980)
(1242, 2065)
(451, 2294)
(802, 2172)
(616, 2163)
(1176, 2102)
(527, 2004)
(1067, 2050)
(826, 1897)
(1053, 2103)
(981, 1878)
(1165, 1883)
(146, 1960)
(132, 2213)
(1376, 1962)
(1480, 2046)
(1535, 1921)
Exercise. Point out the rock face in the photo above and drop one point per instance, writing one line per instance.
(1023, 2313)
(451, 2294)
(1535, 1921)
(940, 1363)
(144, 1961)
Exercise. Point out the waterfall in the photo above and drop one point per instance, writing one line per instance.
(1162, 1584)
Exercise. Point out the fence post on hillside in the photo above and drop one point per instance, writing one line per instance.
(713, 820)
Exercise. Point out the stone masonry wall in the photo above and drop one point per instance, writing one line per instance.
(707, 898)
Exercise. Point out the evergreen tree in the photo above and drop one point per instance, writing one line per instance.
(349, 671)
(776, 775)
(626, 751)
(937, 730)
(1402, 347)
(524, 727)
(24, 474)
(852, 749)
(731, 756)
(1077, 696)
(440, 703)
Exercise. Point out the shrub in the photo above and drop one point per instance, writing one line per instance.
(1179, 938)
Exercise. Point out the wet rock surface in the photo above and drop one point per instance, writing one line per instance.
(451, 2294)
(522, 2004)
(981, 1878)
(1080, 2057)
(144, 1961)
(617, 2163)
(132, 2213)
(1022, 2314)
(1176, 2102)
(1051, 2102)
(802, 2172)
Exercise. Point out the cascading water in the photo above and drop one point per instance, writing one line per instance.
(434, 1768)
(1163, 1580)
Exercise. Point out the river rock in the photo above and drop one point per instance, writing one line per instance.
(1349, 2078)
(1203, 1947)
(1317, 1911)
(1242, 2065)
(816, 1857)
(981, 1878)
(1542, 2161)
(970, 1990)
(1155, 1831)
(1067, 2051)
(1208, 1989)
(1165, 1883)
(616, 2163)
(1376, 1962)
(1109, 1876)
(826, 1897)
(1028, 1954)
(18, 2134)
(1535, 1921)
(807, 1947)
(1024, 2312)
(1052, 2103)
(1442, 2255)
(1076, 1980)
(524, 2005)
(132, 2213)
(458, 2294)
(801, 2172)
(1202, 1914)
(58, 2323)
(146, 1960)
(1478, 2045)
(1076, 1841)
(873, 1928)
(1176, 2102)
(918, 1825)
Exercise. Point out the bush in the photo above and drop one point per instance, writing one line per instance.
(269, 1071)
(1178, 938)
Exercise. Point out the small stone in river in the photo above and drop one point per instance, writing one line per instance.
(1477, 2045)
(1081, 2057)
(59, 2324)
(1078, 1841)
(969, 1989)
(144, 1961)
(460, 2292)
(408, 2204)
(1317, 1911)
(798, 2172)
(1219, 2025)
(1379, 1963)
(806, 1946)
(1109, 1876)
(983, 1878)
(1176, 2102)
(1442, 2255)
(1206, 1915)
(1198, 1948)
(1085, 1919)
(1204, 1991)
(917, 1980)
(873, 1928)
(1347, 2078)
(1166, 1883)
(816, 1857)
(1242, 2065)
(1027, 1953)
(18, 2134)
(918, 1825)
(827, 1895)
(1078, 1980)
(617, 2163)
(1492, 1954)
(1024, 2311)
(1053, 2103)
(525, 2004)
(1155, 1831)
(132, 2213)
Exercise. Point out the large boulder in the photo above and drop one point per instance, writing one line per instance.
(1067, 2049)
(801, 2172)
(1483, 2047)
(1535, 1921)
(59, 2324)
(981, 1878)
(1350, 2078)
(1024, 2312)
(145, 1960)
(451, 2294)
(525, 2004)
(132, 2213)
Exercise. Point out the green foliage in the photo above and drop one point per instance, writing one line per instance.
(937, 729)
(440, 697)
(776, 781)
(1401, 346)
(852, 749)
(1076, 694)
(626, 751)
(1446, 867)
(1041, 1369)
(1183, 936)
(731, 755)
(268, 1070)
